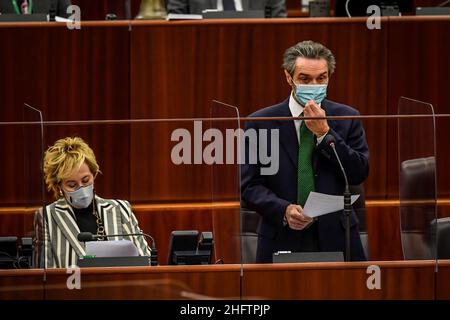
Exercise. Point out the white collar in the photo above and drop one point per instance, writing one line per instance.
(295, 108)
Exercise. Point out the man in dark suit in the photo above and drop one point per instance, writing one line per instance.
(306, 161)
(57, 7)
(275, 8)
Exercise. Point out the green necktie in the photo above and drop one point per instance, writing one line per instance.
(305, 180)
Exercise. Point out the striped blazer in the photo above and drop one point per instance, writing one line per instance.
(57, 230)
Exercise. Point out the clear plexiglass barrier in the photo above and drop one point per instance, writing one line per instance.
(417, 179)
(196, 208)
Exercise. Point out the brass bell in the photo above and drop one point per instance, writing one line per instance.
(152, 10)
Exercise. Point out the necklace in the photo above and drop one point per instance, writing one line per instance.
(100, 227)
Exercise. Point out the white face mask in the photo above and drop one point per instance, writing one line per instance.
(307, 92)
(82, 197)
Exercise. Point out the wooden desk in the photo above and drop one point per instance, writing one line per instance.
(124, 283)
(161, 282)
(399, 280)
(348, 281)
(443, 280)
(22, 284)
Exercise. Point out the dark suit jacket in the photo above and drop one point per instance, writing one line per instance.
(277, 7)
(40, 6)
(270, 195)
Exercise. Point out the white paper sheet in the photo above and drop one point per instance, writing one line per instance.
(179, 16)
(112, 248)
(319, 204)
(61, 19)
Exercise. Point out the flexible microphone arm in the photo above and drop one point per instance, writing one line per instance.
(331, 142)
(329, 139)
(88, 236)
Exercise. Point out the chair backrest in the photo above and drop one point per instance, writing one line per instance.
(360, 209)
(249, 236)
(441, 227)
(417, 190)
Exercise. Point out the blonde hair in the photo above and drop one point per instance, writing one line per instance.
(65, 156)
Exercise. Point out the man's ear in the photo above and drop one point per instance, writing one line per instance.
(288, 78)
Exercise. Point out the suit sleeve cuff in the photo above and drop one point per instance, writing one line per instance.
(320, 139)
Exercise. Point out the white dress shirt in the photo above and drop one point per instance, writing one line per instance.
(296, 110)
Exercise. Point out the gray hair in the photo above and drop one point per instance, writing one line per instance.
(310, 50)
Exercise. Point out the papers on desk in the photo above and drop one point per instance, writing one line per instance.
(319, 204)
(114, 248)
(61, 19)
(178, 16)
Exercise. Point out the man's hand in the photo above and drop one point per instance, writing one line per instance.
(318, 127)
(295, 217)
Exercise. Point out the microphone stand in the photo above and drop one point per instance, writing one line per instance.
(153, 256)
(347, 211)
(347, 206)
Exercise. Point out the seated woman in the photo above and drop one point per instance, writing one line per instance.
(70, 169)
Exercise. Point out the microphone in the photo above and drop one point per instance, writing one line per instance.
(329, 140)
(88, 236)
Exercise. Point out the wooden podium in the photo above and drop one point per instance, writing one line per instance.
(299, 281)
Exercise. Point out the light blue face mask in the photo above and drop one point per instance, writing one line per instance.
(307, 92)
(82, 197)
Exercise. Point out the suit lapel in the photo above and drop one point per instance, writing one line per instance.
(111, 216)
(245, 5)
(64, 218)
(325, 106)
(288, 136)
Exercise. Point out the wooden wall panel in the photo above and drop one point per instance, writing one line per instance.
(418, 57)
(69, 75)
(239, 63)
(159, 223)
(16, 222)
(174, 69)
(443, 280)
(383, 225)
(22, 284)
